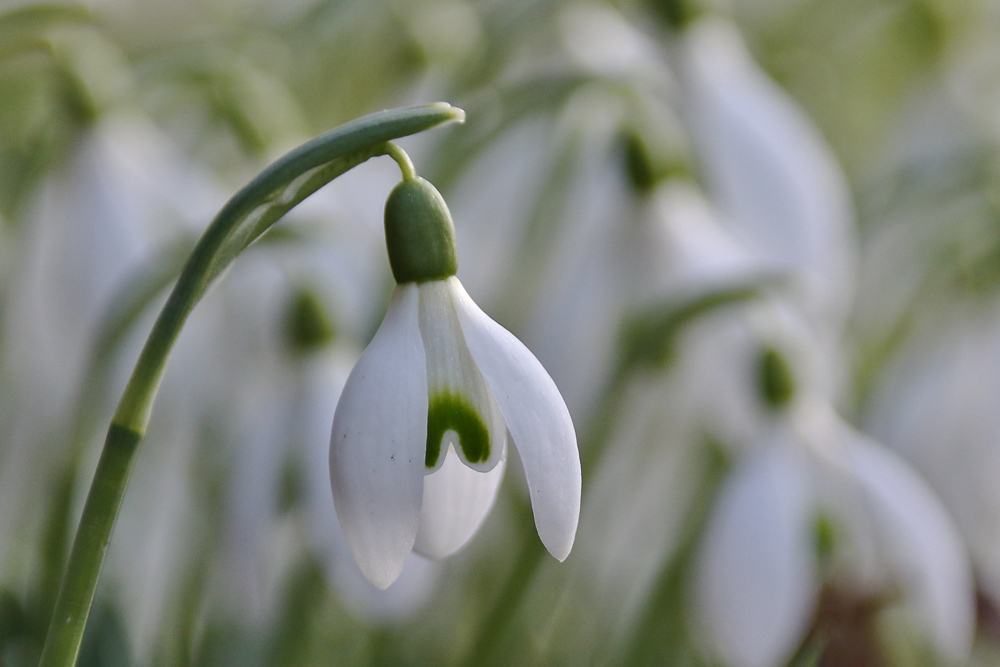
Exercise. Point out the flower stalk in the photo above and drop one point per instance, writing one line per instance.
(243, 219)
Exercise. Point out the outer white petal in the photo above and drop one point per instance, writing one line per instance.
(923, 544)
(325, 380)
(695, 250)
(377, 444)
(537, 418)
(456, 500)
(755, 583)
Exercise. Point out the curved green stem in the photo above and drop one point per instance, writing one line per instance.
(237, 225)
(403, 160)
(241, 221)
(127, 307)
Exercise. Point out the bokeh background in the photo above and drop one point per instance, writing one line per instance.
(755, 242)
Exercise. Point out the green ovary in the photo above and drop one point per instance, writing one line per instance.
(453, 412)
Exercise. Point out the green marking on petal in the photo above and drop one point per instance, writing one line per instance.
(448, 411)
(776, 379)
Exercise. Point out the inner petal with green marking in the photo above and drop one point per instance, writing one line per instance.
(461, 410)
(449, 412)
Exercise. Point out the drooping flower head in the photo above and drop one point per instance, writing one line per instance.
(419, 436)
(815, 503)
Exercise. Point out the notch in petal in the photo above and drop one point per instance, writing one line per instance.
(377, 444)
(537, 418)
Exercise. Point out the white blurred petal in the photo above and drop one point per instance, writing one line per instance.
(755, 583)
(596, 269)
(697, 251)
(774, 176)
(602, 41)
(924, 546)
(936, 407)
(456, 500)
(494, 198)
(537, 418)
(378, 441)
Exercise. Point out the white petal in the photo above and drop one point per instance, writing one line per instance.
(378, 441)
(770, 169)
(456, 500)
(755, 584)
(604, 42)
(695, 250)
(461, 409)
(537, 418)
(923, 544)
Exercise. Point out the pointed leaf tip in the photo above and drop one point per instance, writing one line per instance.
(457, 113)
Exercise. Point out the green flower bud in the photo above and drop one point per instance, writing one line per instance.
(419, 233)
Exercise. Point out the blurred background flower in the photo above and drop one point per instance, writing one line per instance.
(754, 243)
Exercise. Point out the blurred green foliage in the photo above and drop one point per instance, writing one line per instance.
(231, 84)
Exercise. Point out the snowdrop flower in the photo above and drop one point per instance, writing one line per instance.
(757, 581)
(936, 406)
(419, 434)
